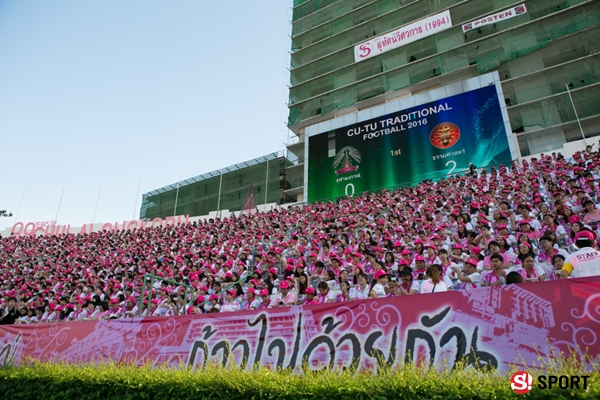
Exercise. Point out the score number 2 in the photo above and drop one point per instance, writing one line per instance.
(453, 166)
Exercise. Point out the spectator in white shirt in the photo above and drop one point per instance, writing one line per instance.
(470, 278)
(378, 289)
(408, 285)
(230, 303)
(361, 290)
(434, 283)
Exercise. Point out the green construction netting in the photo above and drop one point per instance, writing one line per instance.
(453, 51)
(371, 20)
(556, 109)
(200, 198)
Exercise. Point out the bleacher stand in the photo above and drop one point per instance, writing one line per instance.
(475, 229)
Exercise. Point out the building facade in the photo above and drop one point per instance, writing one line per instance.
(224, 189)
(546, 53)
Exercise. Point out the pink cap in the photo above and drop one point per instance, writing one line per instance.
(585, 235)
(471, 261)
(379, 273)
(284, 285)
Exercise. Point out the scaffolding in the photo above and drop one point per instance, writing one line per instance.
(223, 189)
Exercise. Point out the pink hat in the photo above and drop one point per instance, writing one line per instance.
(405, 251)
(284, 285)
(457, 246)
(289, 267)
(228, 274)
(471, 261)
(200, 299)
(113, 301)
(264, 292)
(251, 290)
(419, 258)
(191, 310)
(475, 249)
(212, 297)
(232, 292)
(379, 273)
(273, 270)
(585, 235)
(310, 290)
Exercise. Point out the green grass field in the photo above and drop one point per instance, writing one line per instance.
(38, 381)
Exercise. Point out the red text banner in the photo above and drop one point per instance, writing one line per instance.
(497, 326)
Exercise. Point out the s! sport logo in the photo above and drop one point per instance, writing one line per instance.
(522, 382)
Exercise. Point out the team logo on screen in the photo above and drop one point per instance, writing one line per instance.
(344, 158)
(444, 135)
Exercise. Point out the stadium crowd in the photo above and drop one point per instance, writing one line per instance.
(512, 224)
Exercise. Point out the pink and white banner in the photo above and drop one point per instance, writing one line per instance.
(403, 36)
(495, 326)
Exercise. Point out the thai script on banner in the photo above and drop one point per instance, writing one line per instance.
(403, 36)
(51, 229)
(492, 19)
(493, 327)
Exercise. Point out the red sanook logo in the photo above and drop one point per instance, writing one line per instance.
(521, 382)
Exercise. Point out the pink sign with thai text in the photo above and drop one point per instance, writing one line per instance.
(496, 326)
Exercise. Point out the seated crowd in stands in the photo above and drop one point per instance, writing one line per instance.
(488, 227)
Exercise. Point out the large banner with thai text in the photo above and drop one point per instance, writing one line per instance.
(402, 36)
(497, 326)
(428, 141)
